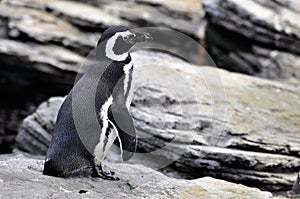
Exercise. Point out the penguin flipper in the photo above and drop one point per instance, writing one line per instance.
(123, 122)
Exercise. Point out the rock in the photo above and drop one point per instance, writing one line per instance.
(255, 37)
(30, 73)
(96, 19)
(251, 136)
(237, 138)
(32, 24)
(136, 181)
(257, 112)
(188, 7)
(38, 63)
(9, 122)
(142, 15)
(34, 134)
(183, 16)
(296, 186)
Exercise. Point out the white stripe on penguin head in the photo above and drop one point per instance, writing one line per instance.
(109, 52)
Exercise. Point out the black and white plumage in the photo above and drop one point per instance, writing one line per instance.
(71, 148)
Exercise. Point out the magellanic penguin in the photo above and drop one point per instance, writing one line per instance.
(73, 149)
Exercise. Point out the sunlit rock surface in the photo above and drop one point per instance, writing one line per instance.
(249, 136)
(19, 174)
(259, 38)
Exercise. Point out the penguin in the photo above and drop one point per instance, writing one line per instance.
(77, 142)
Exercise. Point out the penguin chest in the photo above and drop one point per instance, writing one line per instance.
(107, 134)
(128, 90)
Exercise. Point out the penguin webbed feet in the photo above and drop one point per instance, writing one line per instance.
(98, 172)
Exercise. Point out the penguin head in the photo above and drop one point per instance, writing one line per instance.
(116, 42)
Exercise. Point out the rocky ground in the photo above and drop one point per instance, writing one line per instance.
(210, 122)
(19, 174)
(223, 137)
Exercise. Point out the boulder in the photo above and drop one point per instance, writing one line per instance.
(182, 109)
(136, 181)
(255, 37)
(34, 136)
(29, 24)
(187, 16)
(30, 73)
(143, 15)
(37, 64)
(96, 19)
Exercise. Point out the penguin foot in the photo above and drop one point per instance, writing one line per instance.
(99, 173)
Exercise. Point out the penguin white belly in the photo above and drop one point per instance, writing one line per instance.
(107, 135)
(103, 146)
(99, 151)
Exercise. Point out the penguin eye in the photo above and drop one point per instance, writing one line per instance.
(125, 38)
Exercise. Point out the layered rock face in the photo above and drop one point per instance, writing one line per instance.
(209, 122)
(256, 37)
(249, 136)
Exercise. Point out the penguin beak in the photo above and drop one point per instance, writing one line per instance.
(139, 37)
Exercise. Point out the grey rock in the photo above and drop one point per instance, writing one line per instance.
(257, 112)
(296, 186)
(34, 136)
(37, 25)
(184, 16)
(96, 18)
(136, 181)
(257, 37)
(256, 18)
(38, 63)
(29, 69)
(189, 7)
(145, 15)
(9, 123)
(245, 144)
(250, 136)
